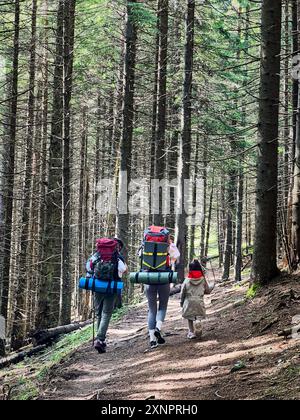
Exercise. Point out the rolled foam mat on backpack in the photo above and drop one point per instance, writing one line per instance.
(98, 286)
(153, 278)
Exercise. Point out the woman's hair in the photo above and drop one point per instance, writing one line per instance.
(195, 266)
(120, 243)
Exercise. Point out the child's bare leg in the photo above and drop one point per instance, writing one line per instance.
(191, 326)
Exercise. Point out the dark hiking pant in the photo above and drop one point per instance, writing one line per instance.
(104, 307)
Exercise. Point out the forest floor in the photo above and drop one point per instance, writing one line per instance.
(240, 333)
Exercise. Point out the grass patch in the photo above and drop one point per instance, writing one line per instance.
(252, 292)
(292, 372)
(27, 392)
(247, 272)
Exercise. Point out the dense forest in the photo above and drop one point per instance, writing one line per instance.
(102, 99)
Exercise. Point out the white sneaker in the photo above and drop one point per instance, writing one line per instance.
(191, 336)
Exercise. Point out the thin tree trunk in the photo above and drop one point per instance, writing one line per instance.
(49, 299)
(185, 144)
(295, 235)
(128, 120)
(209, 218)
(205, 169)
(81, 210)
(19, 324)
(239, 228)
(175, 113)
(10, 169)
(66, 286)
(44, 164)
(192, 253)
(160, 155)
(229, 246)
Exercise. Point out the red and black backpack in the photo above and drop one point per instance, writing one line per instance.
(106, 266)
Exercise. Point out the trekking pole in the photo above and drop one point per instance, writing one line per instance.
(93, 318)
(213, 271)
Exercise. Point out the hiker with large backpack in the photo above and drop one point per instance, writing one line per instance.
(157, 275)
(104, 272)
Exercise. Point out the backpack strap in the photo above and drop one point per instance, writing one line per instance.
(108, 290)
(159, 277)
(155, 255)
(94, 285)
(115, 287)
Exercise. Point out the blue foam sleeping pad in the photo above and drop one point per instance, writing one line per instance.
(99, 286)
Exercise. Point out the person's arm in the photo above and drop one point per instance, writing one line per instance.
(208, 288)
(140, 251)
(122, 268)
(90, 265)
(174, 253)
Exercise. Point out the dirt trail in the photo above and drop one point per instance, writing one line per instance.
(181, 369)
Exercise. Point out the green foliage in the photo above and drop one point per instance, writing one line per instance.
(142, 15)
(27, 391)
(252, 292)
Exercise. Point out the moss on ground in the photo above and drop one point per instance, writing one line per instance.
(252, 292)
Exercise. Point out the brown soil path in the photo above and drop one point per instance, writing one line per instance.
(183, 370)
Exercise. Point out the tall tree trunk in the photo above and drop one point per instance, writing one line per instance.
(19, 324)
(222, 227)
(82, 217)
(160, 155)
(66, 286)
(239, 227)
(192, 248)
(265, 257)
(49, 299)
(43, 179)
(238, 255)
(128, 120)
(175, 114)
(295, 235)
(229, 247)
(209, 217)
(154, 122)
(295, 6)
(205, 170)
(287, 121)
(185, 143)
(10, 169)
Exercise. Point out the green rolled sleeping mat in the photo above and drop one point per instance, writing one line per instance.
(150, 278)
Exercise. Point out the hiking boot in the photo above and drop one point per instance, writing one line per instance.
(153, 344)
(100, 346)
(160, 339)
(191, 336)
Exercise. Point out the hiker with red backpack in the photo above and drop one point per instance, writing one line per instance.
(156, 272)
(105, 270)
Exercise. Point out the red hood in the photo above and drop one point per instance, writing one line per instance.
(195, 275)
